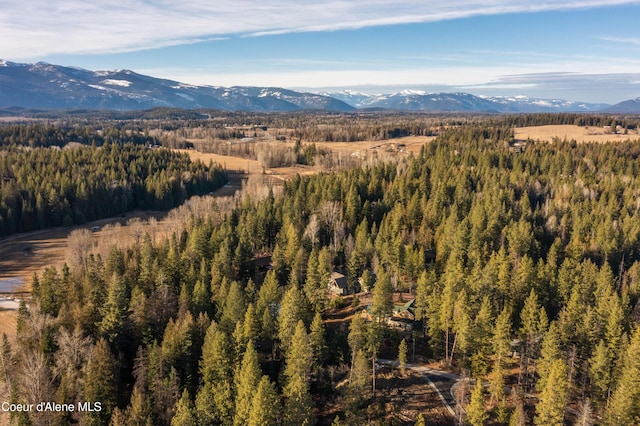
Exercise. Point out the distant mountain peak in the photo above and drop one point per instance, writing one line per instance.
(631, 106)
(43, 85)
(420, 100)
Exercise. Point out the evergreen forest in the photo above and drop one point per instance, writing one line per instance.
(108, 173)
(524, 266)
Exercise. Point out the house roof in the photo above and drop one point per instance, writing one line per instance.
(397, 309)
(340, 280)
(407, 306)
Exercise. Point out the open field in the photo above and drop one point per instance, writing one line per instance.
(399, 146)
(569, 132)
(246, 167)
(403, 145)
(228, 162)
(23, 254)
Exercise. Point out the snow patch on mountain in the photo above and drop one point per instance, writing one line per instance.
(121, 83)
(268, 92)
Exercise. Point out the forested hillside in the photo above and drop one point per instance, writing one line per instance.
(104, 174)
(536, 252)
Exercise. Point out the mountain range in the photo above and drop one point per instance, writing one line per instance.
(47, 86)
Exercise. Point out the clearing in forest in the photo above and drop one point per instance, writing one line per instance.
(570, 132)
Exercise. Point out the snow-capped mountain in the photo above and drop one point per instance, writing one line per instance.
(632, 106)
(419, 100)
(526, 104)
(43, 85)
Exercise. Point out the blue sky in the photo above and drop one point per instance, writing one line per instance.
(583, 50)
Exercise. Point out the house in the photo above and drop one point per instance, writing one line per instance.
(402, 317)
(405, 311)
(338, 284)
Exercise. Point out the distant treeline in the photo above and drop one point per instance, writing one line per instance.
(172, 126)
(544, 119)
(45, 135)
(43, 187)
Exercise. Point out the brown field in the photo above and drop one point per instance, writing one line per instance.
(411, 144)
(399, 146)
(47, 247)
(569, 132)
(8, 321)
(226, 161)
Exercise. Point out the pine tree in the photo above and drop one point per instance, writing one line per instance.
(317, 340)
(246, 380)
(624, 407)
(185, 412)
(553, 396)
(313, 284)
(265, 407)
(476, 413)
(518, 417)
(357, 336)
(201, 300)
(138, 412)
(300, 359)
(600, 368)
(550, 353)
(100, 383)
(234, 307)
(214, 401)
(502, 337)
(114, 312)
(251, 326)
(402, 356)
(298, 404)
(360, 377)
(291, 311)
(497, 383)
(382, 297)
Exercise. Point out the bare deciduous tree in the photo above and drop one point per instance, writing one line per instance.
(36, 384)
(312, 229)
(72, 354)
(331, 214)
(136, 229)
(79, 245)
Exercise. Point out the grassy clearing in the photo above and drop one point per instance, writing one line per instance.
(569, 132)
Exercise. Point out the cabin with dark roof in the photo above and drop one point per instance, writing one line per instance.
(338, 284)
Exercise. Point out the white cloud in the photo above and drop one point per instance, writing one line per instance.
(623, 40)
(38, 28)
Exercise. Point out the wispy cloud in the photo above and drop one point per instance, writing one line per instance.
(592, 87)
(623, 40)
(38, 28)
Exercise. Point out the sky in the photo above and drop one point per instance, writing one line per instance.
(583, 50)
